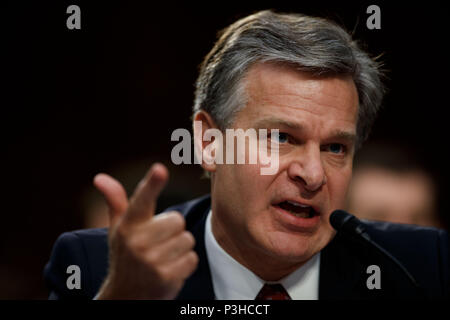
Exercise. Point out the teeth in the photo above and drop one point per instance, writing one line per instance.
(300, 210)
(297, 204)
(301, 215)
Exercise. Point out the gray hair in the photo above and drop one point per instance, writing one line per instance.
(309, 44)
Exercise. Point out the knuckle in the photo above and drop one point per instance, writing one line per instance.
(190, 264)
(192, 259)
(164, 274)
(138, 244)
(188, 239)
(153, 257)
(177, 220)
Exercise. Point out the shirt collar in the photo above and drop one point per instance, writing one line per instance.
(233, 281)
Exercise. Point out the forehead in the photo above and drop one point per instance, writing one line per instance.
(282, 90)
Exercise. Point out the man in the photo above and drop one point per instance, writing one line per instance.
(388, 185)
(260, 236)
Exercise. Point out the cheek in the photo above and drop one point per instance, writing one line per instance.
(338, 184)
(244, 199)
(255, 196)
(244, 187)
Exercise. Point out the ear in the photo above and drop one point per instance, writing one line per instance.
(207, 141)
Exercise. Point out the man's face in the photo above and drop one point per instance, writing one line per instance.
(316, 118)
(400, 197)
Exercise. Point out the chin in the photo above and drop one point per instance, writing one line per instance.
(297, 247)
(293, 248)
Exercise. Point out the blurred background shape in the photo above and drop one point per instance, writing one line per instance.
(391, 183)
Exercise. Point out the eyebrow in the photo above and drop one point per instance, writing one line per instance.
(344, 135)
(272, 122)
(347, 136)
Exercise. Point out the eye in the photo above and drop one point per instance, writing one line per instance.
(336, 148)
(280, 137)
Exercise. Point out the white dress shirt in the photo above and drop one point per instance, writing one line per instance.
(232, 281)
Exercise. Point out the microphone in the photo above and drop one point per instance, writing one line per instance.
(347, 223)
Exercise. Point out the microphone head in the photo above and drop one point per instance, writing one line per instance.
(338, 218)
(347, 223)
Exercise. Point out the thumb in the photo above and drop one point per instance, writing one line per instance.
(114, 194)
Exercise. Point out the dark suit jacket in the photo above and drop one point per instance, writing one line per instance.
(343, 268)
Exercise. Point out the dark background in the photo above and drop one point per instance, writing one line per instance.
(107, 98)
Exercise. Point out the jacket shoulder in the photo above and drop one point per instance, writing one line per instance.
(409, 239)
(424, 251)
(86, 249)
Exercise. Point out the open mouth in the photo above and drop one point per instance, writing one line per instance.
(297, 209)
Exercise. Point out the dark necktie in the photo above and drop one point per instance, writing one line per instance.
(273, 292)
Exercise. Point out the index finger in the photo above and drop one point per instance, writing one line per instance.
(143, 202)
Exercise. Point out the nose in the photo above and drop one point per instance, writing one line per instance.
(307, 169)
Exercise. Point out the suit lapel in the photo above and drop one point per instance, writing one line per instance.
(339, 271)
(343, 271)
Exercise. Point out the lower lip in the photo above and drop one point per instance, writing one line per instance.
(296, 223)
